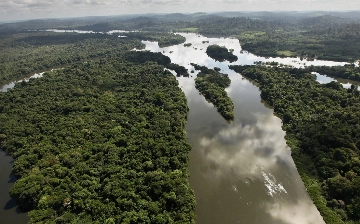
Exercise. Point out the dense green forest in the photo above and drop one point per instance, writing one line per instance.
(164, 39)
(321, 35)
(349, 71)
(23, 53)
(322, 128)
(306, 44)
(144, 56)
(220, 53)
(100, 141)
(78, 135)
(211, 84)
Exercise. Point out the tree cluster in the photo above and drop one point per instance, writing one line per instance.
(349, 71)
(220, 53)
(211, 84)
(143, 56)
(164, 39)
(28, 52)
(99, 142)
(23, 53)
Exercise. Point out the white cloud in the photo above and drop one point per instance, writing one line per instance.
(87, 2)
(300, 212)
(29, 9)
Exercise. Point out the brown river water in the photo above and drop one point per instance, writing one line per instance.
(241, 171)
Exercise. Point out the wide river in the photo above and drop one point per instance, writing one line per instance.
(242, 171)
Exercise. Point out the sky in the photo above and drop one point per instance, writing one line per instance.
(12, 10)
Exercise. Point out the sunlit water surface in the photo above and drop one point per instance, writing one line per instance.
(242, 171)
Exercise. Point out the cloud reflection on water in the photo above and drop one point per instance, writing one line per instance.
(246, 150)
(255, 154)
(241, 172)
(294, 213)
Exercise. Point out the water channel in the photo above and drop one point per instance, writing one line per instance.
(9, 212)
(242, 171)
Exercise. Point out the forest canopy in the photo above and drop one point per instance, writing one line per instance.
(23, 53)
(211, 84)
(220, 53)
(99, 142)
(78, 134)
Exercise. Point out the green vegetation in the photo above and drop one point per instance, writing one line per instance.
(28, 52)
(322, 128)
(180, 70)
(100, 142)
(326, 35)
(144, 56)
(103, 140)
(187, 29)
(220, 26)
(187, 44)
(337, 43)
(211, 84)
(24, 53)
(164, 39)
(140, 57)
(286, 53)
(220, 53)
(346, 72)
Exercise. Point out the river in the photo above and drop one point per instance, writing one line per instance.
(242, 171)
(9, 212)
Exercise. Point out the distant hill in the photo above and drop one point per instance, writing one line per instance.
(324, 20)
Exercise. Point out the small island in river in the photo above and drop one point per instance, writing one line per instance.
(212, 84)
(219, 53)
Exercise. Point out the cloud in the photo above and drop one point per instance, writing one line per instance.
(88, 2)
(259, 146)
(31, 3)
(293, 213)
(30, 9)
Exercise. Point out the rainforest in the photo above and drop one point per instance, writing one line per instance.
(178, 118)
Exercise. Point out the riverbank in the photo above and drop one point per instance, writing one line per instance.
(325, 154)
(243, 166)
(9, 211)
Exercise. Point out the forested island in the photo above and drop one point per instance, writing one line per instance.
(212, 84)
(322, 128)
(220, 53)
